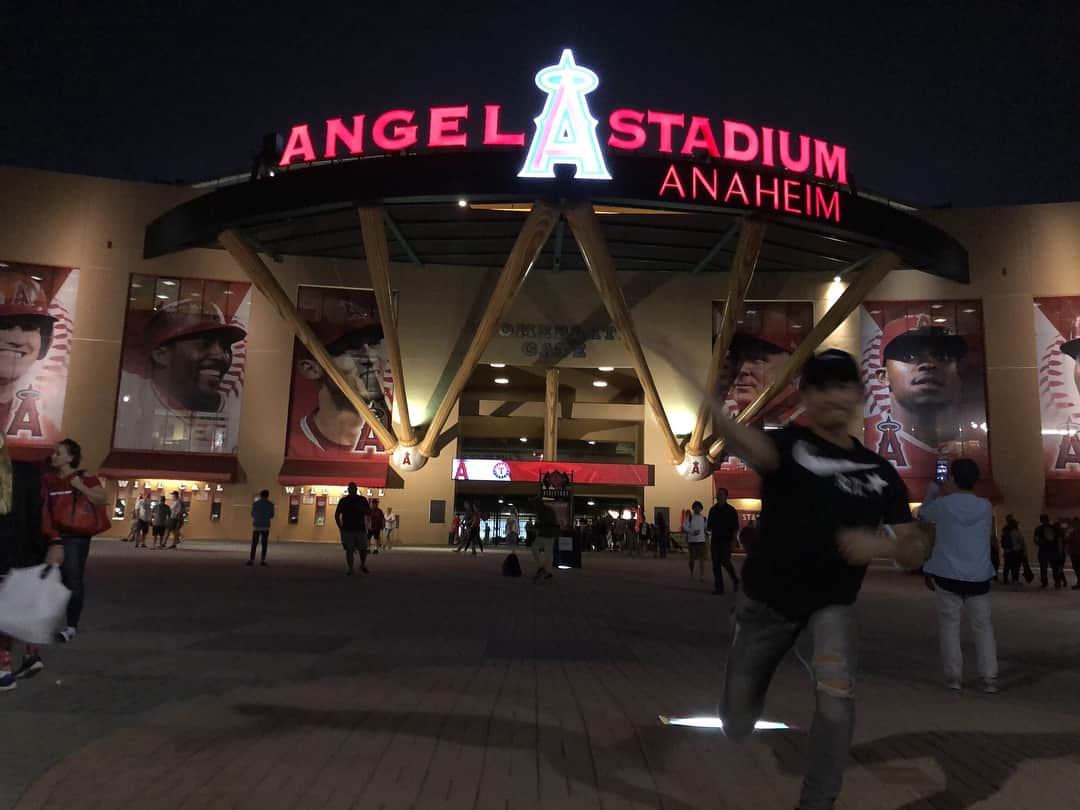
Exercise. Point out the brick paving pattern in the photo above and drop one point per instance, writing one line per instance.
(436, 683)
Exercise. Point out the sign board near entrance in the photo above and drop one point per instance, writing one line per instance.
(506, 472)
(744, 165)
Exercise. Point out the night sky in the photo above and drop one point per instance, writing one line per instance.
(969, 104)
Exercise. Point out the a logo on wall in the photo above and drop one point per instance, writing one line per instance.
(565, 129)
(555, 484)
(890, 448)
(501, 470)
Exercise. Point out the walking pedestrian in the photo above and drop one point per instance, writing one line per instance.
(472, 529)
(176, 520)
(144, 513)
(1012, 548)
(26, 539)
(262, 513)
(959, 571)
(160, 522)
(722, 526)
(377, 522)
(352, 517)
(1048, 545)
(695, 528)
(455, 531)
(547, 537)
(392, 523)
(66, 486)
(829, 506)
(661, 535)
(513, 528)
(1072, 546)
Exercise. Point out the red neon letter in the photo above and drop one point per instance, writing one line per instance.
(352, 138)
(767, 147)
(830, 208)
(492, 136)
(299, 146)
(731, 150)
(445, 126)
(790, 195)
(699, 136)
(403, 137)
(697, 175)
(626, 122)
(736, 187)
(775, 193)
(666, 122)
(830, 162)
(672, 181)
(803, 163)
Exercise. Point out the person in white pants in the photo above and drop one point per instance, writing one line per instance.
(959, 571)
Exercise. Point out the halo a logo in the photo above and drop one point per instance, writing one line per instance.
(501, 470)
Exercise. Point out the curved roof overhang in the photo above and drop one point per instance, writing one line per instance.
(658, 220)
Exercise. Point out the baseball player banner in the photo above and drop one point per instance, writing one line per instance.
(764, 339)
(37, 304)
(323, 424)
(182, 365)
(923, 366)
(1057, 335)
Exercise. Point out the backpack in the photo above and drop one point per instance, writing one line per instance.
(511, 566)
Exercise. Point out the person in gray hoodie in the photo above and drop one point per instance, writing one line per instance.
(959, 571)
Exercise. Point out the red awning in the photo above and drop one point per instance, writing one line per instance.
(1063, 493)
(367, 471)
(175, 466)
(35, 455)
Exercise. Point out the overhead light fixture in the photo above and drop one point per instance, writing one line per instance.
(500, 500)
(127, 398)
(162, 297)
(462, 203)
(502, 381)
(592, 441)
(707, 721)
(941, 320)
(564, 567)
(497, 365)
(599, 383)
(936, 306)
(590, 503)
(969, 310)
(605, 368)
(523, 439)
(168, 282)
(836, 279)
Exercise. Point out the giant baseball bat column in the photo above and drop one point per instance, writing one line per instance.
(551, 415)
(594, 251)
(378, 261)
(530, 241)
(245, 256)
(747, 251)
(879, 267)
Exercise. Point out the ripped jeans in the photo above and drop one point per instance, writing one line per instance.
(762, 637)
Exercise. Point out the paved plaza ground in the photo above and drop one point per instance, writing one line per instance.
(436, 683)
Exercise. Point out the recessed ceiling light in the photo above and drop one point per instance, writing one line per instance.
(605, 368)
(564, 567)
(168, 282)
(969, 310)
(941, 320)
(462, 203)
(502, 381)
(497, 365)
(163, 297)
(599, 383)
(590, 503)
(523, 439)
(936, 306)
(592, 441)
(836, 279)
(500, 500)
(36, 278)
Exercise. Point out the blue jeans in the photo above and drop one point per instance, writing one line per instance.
(762, 637)
(73, 573)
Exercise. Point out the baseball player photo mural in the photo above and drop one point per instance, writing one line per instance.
(182, 365)
(923, 367)
(323, 424)
(36, 308)
(1057, 335)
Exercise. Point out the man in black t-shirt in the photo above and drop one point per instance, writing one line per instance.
(352, 515)
(722, 526)
(1048, 544)
(829, 506)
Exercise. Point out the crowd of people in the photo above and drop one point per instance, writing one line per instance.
(161, 519)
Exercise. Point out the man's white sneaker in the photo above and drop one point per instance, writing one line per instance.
(66, 635)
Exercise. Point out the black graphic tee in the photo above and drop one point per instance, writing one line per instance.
(818, 488)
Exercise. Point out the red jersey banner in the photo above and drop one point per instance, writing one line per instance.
(1057, 336)
(182, 365)
(924, 370)
(323, 424)
(37, 305)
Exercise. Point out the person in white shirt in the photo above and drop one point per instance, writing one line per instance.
(696, 537)
(513, 528)
(391, 528)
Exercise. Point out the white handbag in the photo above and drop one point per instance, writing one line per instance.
(32, 603)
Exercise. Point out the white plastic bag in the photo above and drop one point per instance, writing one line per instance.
(32, 603)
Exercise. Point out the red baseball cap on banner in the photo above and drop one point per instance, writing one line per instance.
(343, 324)
(21, 296)
(769, 328)
(187, 318)
(1071, 346)
(916, 331)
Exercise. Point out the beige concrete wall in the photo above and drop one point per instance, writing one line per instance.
(98, 225)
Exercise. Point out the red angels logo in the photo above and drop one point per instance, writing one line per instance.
(1068, 451)
(889, 446)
